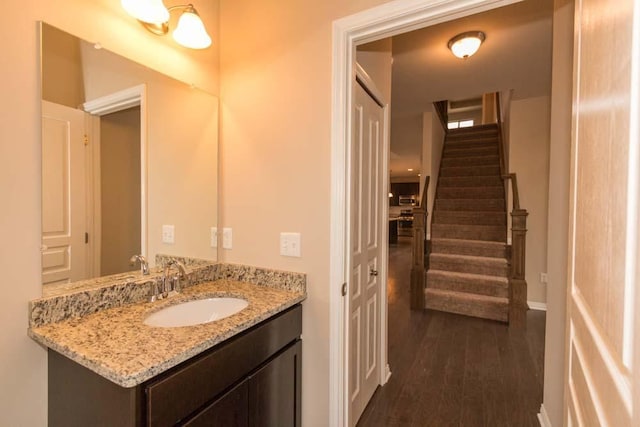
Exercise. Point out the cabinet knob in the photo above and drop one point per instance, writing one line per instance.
(373, 272)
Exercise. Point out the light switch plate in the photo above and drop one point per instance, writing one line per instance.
(214, 237)
(290, 244)
(544, 278)
(227, 238)
(168, 234)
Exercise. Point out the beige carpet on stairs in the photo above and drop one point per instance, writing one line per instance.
(468, 269)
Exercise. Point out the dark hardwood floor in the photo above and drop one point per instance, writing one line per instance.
(452, 370)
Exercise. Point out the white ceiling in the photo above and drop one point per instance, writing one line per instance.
(515, 55)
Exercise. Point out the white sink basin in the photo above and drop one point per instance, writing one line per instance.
(195, 312)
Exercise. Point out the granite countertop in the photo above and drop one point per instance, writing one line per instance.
(116, 344)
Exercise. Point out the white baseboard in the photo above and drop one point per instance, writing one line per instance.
(387, 373)
(541, 306)
(543, 417)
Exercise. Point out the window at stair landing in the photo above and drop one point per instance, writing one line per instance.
(460, 124)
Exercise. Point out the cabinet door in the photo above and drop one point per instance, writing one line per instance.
(275, 391)
(230, 410)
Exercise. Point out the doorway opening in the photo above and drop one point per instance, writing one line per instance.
(385, 21)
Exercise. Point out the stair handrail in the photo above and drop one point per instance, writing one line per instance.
(517, 259)
(418, 272)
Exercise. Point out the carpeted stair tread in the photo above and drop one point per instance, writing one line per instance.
(468, 282)
(496, 233)
(470, 217)
(469, 264)
(482, 306)
(470, 161)
(471, 192)
(469, 247)
(470, 181)
(470, 205)
(469, 170)
(486, 150)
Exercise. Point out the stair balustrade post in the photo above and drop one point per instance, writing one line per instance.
(518, 285)
(418, 272)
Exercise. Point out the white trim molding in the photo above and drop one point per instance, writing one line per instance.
(116, 101)
(543, 417)
(540, 306)
(386, 20)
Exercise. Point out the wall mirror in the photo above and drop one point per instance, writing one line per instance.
(129, 162)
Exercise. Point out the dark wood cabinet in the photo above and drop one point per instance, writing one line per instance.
(403, 189)
(253, 379)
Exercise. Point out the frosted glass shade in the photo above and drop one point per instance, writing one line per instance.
(466, 44)
(190, 31)
(150, 11)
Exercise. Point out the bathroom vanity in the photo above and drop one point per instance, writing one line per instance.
(109, 368)
(252, 379)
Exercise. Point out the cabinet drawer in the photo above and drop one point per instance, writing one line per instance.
(191, 385)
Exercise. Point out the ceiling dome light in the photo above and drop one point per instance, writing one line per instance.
(149, 11)
(190, 31)
(466, 44)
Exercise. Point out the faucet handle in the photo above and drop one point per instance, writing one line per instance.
(144, 266)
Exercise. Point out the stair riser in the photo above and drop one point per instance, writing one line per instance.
(461, 247)
(470, 171)
(471, 192)
(470, 205)
(491, 267)
(492, 311)
(476, 181)
(471, 161)
(490, 150)
(469, 232)
(488, 287)
(469, 218)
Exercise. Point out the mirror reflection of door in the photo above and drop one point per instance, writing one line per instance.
(74, 193)
(63, 194)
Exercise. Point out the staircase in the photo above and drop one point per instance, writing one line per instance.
(468, 269)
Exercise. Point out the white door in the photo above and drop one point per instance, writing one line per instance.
(601, 383)
(63, 194)
(366, 252)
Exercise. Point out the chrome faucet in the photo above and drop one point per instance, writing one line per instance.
(144, 266)
(172, 283)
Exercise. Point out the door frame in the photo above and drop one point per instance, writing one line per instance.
(389, 19)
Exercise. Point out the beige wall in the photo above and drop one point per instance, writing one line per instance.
(61, 68)
(529, 159)
(276, 156)
(558, 234)
(119, 190)
(22, 361)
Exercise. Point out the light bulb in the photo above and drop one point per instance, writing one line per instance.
(190, 31)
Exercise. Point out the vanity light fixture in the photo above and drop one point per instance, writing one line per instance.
(154, 16)
(466, 44)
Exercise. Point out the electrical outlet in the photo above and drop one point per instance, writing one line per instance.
(544, 278)
(227, 238)
(214, 237)
(168, 234)
(290, 244)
